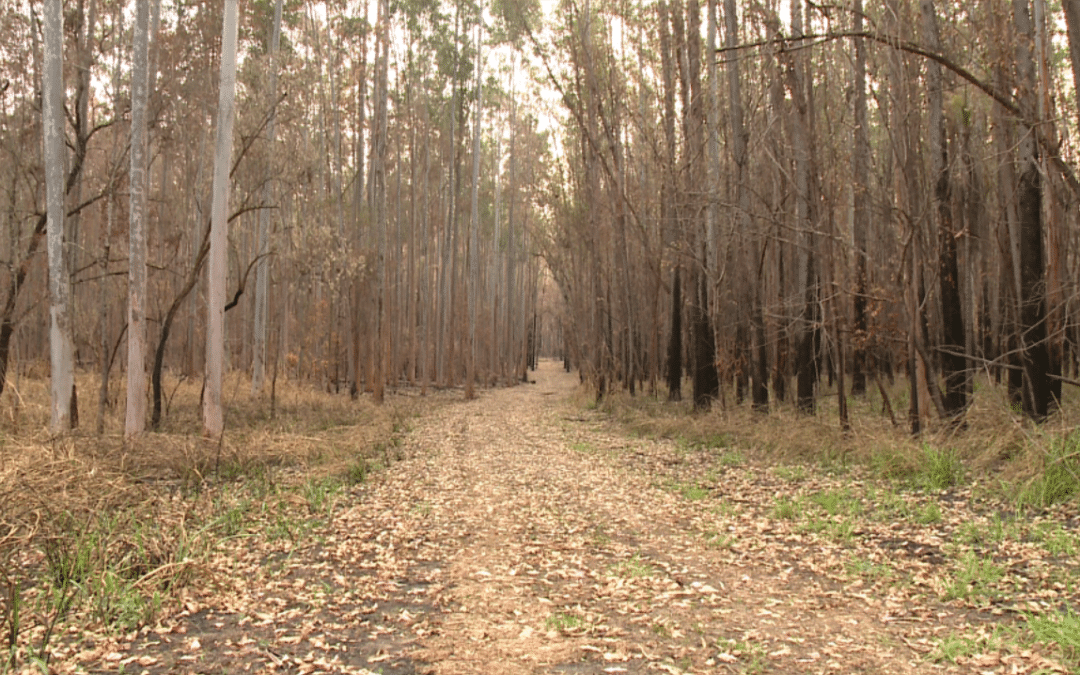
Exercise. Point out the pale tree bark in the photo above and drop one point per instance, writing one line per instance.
(262, 272)
(474, 229)
(213, 414)
(135, 420)
(444, 333)
(378, 180)
(61, 345)
(495, 271)
(87, 22)
(359, 193)
(511, 244)
(429, 297)
(343, 286)
(106, 241)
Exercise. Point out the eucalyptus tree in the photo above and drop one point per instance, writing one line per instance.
(752, 278)
(213, 414)
(378, 197)
(1036, 357)
(258, 361)
(61, 346)
(800, 88)
(135, 420)
(668, 217)
(474, 223)
(953, 362)
(860, 174)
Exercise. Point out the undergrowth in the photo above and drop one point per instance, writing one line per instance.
(997, 485)
(99, 536)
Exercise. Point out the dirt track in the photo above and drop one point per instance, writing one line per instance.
(518, 534)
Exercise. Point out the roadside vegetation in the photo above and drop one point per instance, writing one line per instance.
(980, 522)
(102, 538)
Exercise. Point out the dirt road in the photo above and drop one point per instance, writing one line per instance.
(520, 534)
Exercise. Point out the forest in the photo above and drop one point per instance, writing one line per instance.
(757, 198)
(791, 281)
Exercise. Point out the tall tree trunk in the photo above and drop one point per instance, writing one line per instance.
(674, 365)
(213, 414)
(474, 231)
(1036, 358)
(954, 364)
(706, 378)
(860, 169)
(87, 23)
(753, 282)
(135, 421)
(805, 360)
(511, 245)
(429, 296)
(262, 272)
(61, 345)
(378, 179)
(1054, 292)
(103, 286)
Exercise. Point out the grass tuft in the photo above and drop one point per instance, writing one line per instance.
(976, 577)
(1059, 480)
(1062, 629)
(941, 468)
(785, 508)
(563, 622)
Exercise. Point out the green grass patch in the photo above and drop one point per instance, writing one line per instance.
(891, 463)
(836, 502)
(1061, 629)
(1059, 480)
(321, 494)
(791, 474)
(785, 508)
(1056, 539)
(632, 568)
(975, 578)
(693, 492)
(564, 622)
(583, 447)
(357, 472)
(753, 656)
(953, 647)
(868, 569)
(890, 505)
(928, 514)
(732, 458)
(957, 646)
(941, 468)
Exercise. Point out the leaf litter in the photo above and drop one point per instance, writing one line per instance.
(520, 534)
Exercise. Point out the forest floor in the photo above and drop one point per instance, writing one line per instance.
(524, 533)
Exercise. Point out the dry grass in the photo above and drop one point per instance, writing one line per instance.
(998, 445)
(92, 515)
